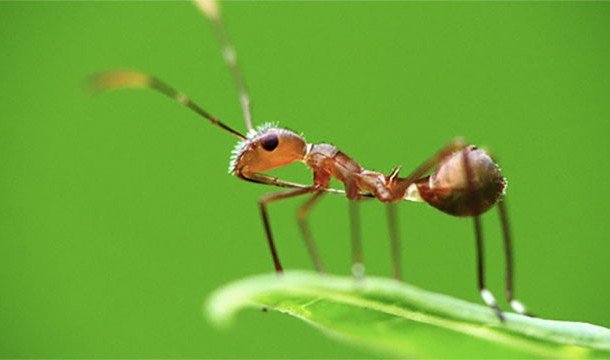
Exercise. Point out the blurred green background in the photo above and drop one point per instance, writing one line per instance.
(118, 218)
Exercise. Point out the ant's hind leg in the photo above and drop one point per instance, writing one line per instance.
(265, 216)
(302, 220)
(487, 296)
(394, 240)
(517, 306)
(357, 258)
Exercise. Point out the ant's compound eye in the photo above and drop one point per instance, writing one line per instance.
(270, 142)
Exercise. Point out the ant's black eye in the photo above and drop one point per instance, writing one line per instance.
(270, 142)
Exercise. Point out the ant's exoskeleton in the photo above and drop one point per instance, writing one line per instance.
(459, 179)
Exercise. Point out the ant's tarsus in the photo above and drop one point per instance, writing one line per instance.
(358, 270)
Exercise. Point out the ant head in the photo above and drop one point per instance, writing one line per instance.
(266, 148)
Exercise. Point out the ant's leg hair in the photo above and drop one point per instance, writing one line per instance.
(356, 240)
(394, 240)
(517, 306)
(302, 220)
(211, 10)
(487, 296)
(265, 216)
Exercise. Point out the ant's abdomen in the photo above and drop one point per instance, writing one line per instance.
(448, 189)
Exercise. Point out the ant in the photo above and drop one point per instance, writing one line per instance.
(459, 180)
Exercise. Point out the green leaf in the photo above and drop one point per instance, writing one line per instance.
(397, 319)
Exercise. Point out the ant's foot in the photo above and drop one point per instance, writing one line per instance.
(320, 269)
(499, 313)
(358, 271)
(490, 300)
(519, 308)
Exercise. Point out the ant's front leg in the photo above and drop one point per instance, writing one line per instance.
(265, 216)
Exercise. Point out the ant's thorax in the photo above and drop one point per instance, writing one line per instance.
(327, 161)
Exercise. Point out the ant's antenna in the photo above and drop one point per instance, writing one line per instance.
(133, 79)
(211, 10)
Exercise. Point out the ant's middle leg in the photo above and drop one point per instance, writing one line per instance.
(394, 240)
(302, 220)
(265, 216)
(356, 240)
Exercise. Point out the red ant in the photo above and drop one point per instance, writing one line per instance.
(463, 181)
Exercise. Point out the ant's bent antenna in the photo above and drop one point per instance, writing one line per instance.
(120, 79)
(211, 10)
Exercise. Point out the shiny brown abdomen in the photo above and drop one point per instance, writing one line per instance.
(447, 188)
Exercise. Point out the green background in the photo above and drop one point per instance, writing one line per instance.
(118, 218)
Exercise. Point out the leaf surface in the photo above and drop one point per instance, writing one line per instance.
(401, 320)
